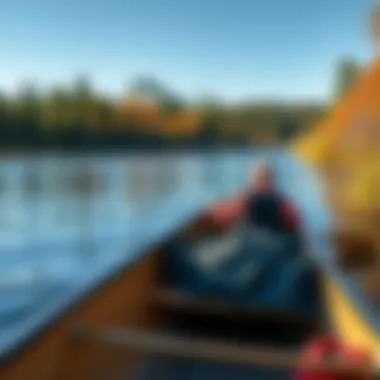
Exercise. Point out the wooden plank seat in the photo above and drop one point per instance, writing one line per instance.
(219, 315)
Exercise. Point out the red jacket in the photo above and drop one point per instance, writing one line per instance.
(290, 215)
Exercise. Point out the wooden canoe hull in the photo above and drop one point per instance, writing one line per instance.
(125, 300)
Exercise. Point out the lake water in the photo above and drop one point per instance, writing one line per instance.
(64, 220)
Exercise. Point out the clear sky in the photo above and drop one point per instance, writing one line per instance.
(233, 48)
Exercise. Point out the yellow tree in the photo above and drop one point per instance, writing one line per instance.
(136, 114)
(183, 123)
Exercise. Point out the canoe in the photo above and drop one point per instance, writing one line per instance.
(178, 311)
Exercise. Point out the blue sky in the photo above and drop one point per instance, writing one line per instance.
(235, 49)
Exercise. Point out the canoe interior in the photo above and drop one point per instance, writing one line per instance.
(253, 274)
(141, 298)
(188, 312)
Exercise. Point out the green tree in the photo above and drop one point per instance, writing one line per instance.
(85, 103)
(57, 110)
(346, 74)
(27, 105)
(152, 90)
(3, 110)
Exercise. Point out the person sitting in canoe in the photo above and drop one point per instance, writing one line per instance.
(263, 206)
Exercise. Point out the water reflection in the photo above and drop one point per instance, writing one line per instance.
(44, 200)
(166, 177)
(64, 219)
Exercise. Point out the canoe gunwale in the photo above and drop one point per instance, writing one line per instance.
(343, 279)
(206, 350)
(365, 309)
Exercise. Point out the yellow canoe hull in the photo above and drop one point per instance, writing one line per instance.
(348, 321)
(353, 186)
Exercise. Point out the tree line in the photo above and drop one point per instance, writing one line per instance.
(149, 115)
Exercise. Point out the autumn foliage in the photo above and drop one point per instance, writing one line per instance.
(148, 112)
